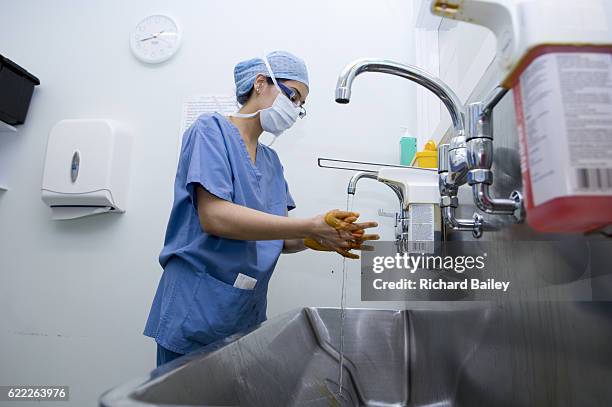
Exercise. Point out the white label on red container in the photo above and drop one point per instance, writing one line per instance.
(566, 100)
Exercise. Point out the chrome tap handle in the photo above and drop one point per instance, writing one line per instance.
(443, 158)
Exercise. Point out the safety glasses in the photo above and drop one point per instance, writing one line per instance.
(292, 94)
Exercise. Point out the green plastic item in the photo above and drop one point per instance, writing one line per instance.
(408, 147)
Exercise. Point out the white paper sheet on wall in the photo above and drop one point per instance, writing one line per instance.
(196, 105)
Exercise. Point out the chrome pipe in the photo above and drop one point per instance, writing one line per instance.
(480, 160)
(456, 223)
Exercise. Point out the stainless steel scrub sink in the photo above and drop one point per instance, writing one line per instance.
(534, 354)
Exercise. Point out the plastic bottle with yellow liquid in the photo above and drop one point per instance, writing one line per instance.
(428, 158)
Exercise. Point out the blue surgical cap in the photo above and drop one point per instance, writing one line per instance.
(284, 66)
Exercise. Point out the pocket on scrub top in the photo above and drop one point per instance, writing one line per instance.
(217, 310)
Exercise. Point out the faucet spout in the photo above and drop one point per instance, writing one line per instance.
(401, 222)
(352, 186)
(435, 85)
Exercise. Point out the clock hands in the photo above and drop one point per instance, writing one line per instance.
(154, 36)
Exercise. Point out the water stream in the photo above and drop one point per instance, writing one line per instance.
(349, 205)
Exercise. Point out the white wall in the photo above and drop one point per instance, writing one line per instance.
(456, 52)
(74, 295)
(465, 51)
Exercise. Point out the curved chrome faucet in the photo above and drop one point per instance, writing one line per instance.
(401, 221)
(467, 158)
(352, 186)
(458, 166)
(439, 88)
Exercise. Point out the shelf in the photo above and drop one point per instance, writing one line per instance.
(6, 128)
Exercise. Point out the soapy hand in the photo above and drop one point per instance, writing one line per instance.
(338, 231)
(314, 245)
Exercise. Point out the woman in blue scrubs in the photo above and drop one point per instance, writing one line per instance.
(228, 223)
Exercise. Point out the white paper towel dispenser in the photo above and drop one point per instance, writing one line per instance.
(86, 168)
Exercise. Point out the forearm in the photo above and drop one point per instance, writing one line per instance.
(232, 221)
(293, 246)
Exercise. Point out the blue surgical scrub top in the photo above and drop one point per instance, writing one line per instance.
(196, 302)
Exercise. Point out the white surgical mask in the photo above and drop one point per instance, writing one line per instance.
(280, 116)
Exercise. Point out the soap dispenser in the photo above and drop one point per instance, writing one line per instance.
(428, 158)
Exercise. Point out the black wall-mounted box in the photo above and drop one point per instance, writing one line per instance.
(16, 88)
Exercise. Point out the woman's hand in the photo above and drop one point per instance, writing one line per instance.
(338, 231)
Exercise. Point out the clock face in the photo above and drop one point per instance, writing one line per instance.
(155, 39)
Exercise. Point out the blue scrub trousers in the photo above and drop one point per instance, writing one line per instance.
(164, 355)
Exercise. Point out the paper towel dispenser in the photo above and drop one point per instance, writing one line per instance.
(86, 168)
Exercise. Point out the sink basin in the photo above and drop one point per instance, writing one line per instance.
(515, 354)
